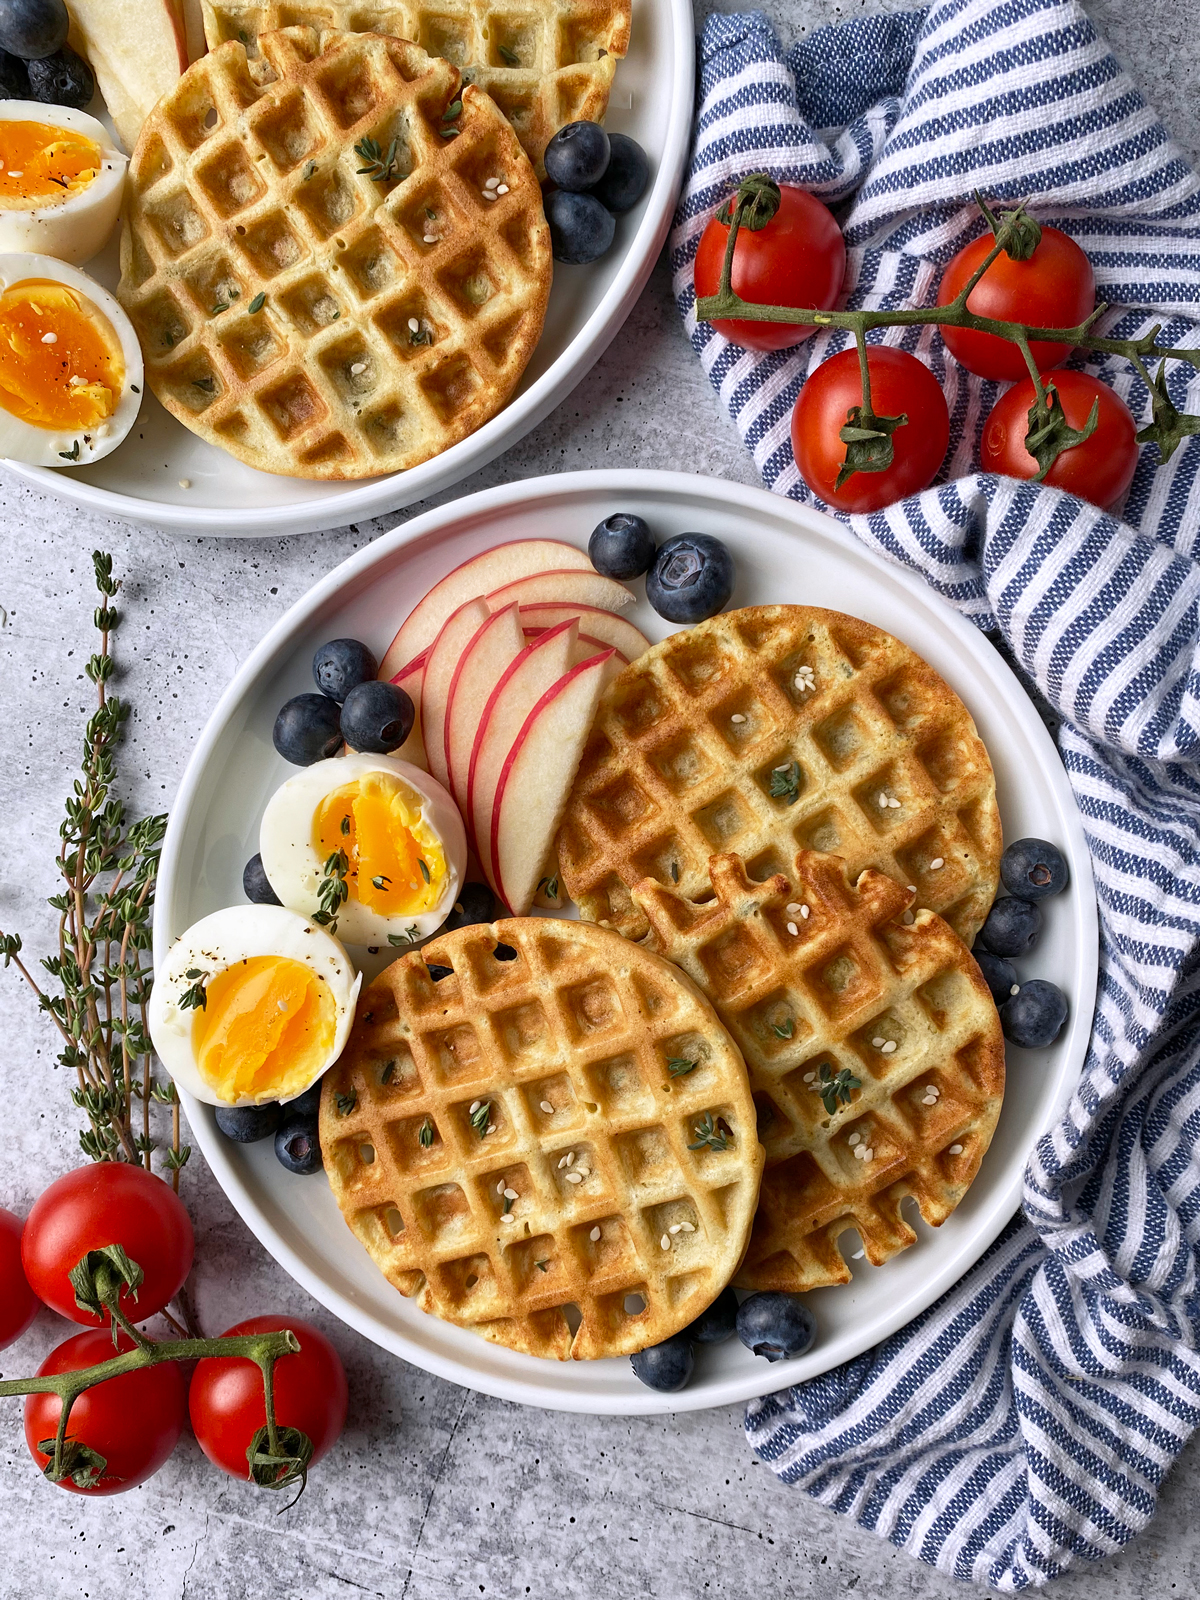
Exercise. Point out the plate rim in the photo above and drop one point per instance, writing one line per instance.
(1006, 1183)
(375, 497)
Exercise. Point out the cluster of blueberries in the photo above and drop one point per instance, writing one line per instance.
(688, 578)
(36, 62)
(775, 1325)
(352, 708)
(597, 177)
(1032, 1013)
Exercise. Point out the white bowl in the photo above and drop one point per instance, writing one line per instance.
(140, 482)
(784, 552)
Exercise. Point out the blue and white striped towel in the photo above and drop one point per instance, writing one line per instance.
(1027, 1420)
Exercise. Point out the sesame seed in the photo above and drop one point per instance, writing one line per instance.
(431, 238)
(49, 338)
(879, 1043)
(74, 381)
(687, 1227)
(500, 1187)
(934, 1090)
(737, 717)
(665, 1242)
(358, 366)
(804, 913)
(869, 1156)
(889, 1047)
(510, 1194)
(491, 1129)
(1014, 988)
(810, 1077)
(894, 803)
(956, 1149)
(185, 483)
(491, 183)
(547, 1108)
(584, 1172)
(413, 325)
(793, 929)
(860, 1153)
(675, 1227)
(794, 909)
(566, 1160)
(502, 188)
(855, 1138)
(15, 174)
(908, 919)
(574, 1177)
(881, 801)
(508, 1217)
(474, 1107)
(594, 1235)
(912, 888)
(570, 1158)
(937, 864)
(929, 1100)
(858, 1255)
(488, 194)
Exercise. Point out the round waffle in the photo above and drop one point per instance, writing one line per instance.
(543, 1132)
(545, 64)
(873, 1046)
(775, 728)
(318, 282)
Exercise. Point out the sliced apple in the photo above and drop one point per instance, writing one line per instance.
(522, 684)
(410, 678)
(603, 628)
(479, 575)
(566, 587)
(536, 777)
(192, 12)
(487, 656)
(440, 666)
(137, 49)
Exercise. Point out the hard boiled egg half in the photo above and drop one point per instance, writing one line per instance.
(252, 1004)
(400, 833)
(61, 181)
(70, 365)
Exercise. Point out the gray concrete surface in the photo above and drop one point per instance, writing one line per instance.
(434, 1491)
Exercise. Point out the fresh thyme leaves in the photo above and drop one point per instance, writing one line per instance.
(420, 335)
(785, 783)
(388, 1073)
(542, 1266)
(451, 114)
(195, 998)
(716, 1135)
(257, 303)
(784, 1029)
(424, 869)
(209, 385)
(835, 1090)
(509, 56)
(72, 454)
(378, 166)
(345, 826)
(381, 881)
(346, 1102)
(309, 169)
(481, 1117)
(550, 885)
(425, 1136)
(508, 1205)
(409, 936)
(678, 1066)
(674, 872)
(333, 891)
(221, 305)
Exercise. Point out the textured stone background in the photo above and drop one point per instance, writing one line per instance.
(434, 1491)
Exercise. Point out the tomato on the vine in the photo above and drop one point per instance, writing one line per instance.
(18, 1303)
(1100, 469)
(133, 1421)
(900, 384)
(226, 1396)
(1054, 288)
(108, 1202)
(796, 259)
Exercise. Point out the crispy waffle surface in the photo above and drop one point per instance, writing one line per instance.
(822, 981)
(545, 62)
(775, 728)
(590, 1178)
(310, 318)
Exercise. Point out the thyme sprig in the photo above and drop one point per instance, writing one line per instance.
(98, 999)
(716, 1135)
(378, 166)
(835, 1090)
(333, 891)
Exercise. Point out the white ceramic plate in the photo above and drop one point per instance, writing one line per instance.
(140, 481)
(784, 553)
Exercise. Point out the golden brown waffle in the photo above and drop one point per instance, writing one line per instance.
(306, 316)
(545, 63)
(819, 983)
(577, 1185)
(693, 748)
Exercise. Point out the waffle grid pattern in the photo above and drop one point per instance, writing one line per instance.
(900, 1006)
(690, 737)
(296, 311)
(584, 1023)
(544, 62)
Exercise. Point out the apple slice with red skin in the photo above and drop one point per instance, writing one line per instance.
(478, 576)
(410, 679)
(440, 666)
(603, 628)
(523, 683)
(535, 780)
(491, 650)
(563, 587)
(137, 50)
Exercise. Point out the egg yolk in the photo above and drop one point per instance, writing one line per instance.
(61, 364)
(266, 1029)
(396, 863)
(40, 163)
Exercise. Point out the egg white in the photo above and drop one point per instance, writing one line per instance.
(294, 866)
(218, 942)
(75, 228)
(53, 447)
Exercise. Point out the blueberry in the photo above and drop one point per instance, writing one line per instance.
(666, 1366)
(32, 29)
(581, 230)
(1035, 1014)
(377, 717)
(340, 664)
(577, 156)
(248, 1124)
(297, 1143)
(626, 176)
(776, 1325)
(621, 546)
(998, 973)
(1033, 869)
(308, 729)
(718, 1323)
(1011, 927)
(475, 903)
(63, 79)
(14, 77)
(305, 1105)
(256, 886)
(692, 578)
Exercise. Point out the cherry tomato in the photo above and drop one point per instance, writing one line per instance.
(1100, 469)
(900, 384)
(1055, 288)
(18, 1303)
(109, 1202)
(226, 1396)
(133, 1421)
(797, 259)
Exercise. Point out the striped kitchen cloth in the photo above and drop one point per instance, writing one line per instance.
(1027, 1420)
